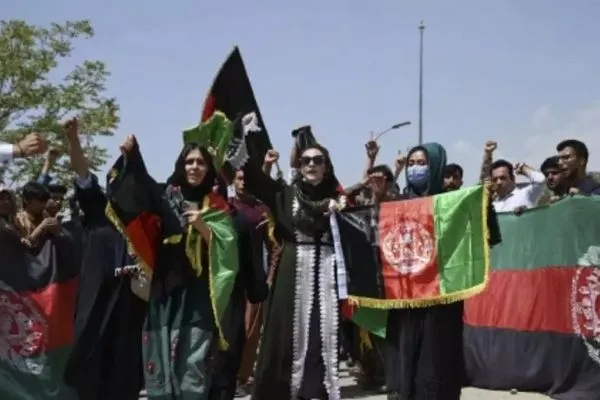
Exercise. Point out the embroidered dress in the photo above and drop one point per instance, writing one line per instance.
(298, 357)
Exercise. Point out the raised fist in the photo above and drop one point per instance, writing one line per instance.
(31, 145)
(490, 146)
(271, 157)
(128, 144)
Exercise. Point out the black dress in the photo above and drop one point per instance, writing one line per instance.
(424, 347)
(298, 356)
(106, 360)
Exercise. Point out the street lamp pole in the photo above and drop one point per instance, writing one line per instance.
(377, 135)
(421, 30)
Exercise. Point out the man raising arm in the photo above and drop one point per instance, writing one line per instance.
(30, 145)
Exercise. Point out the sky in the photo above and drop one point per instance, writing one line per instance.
(521, 72)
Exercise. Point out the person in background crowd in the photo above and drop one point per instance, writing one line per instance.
(44, 178)
(31, 145)
(509, 197)
(361, 192)
(106, 356)
(551, 170)
(453, 177)
(554, 188)
(368, 349)
(572, 159)
(55, 202)
(8, 206)
(258, 215)
(33, 222)
(35, 197)
(381, 183)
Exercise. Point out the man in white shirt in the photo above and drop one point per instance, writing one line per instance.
(509, 197)
(30, 145)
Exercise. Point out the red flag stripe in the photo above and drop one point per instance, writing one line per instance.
(539, 300)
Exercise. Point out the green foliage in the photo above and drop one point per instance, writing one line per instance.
(34, 99)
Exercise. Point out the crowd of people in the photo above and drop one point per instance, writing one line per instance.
(242, 297)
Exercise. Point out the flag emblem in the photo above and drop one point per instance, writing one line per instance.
(585, 309)
(22, 332)
(408, 245)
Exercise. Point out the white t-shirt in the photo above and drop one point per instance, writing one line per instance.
(522, 197)
(6, 153)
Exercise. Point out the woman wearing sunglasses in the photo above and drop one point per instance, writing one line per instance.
(298, 358)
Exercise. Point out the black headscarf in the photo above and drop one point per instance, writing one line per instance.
(178, 179)
(178, 191)
(314, 199)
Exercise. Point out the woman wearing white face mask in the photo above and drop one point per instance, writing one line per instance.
(298, 355)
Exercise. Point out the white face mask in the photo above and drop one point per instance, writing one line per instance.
(417, 175)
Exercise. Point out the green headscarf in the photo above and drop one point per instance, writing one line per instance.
(436, 156)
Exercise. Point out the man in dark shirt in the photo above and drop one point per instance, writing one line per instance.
(573, 157)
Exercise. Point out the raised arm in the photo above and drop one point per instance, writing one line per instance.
(31, 145)
(488, 159)
(372, 150)
(49, 161)
(261, 185)
(536, 181)
(87, 190)
(399, 165)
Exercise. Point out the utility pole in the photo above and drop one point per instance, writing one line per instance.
(421, 30)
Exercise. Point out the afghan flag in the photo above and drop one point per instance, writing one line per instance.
(38, 289)
(139, 209)
(415, 253)
(136, 210)
(216, 134)
(537, 326)
(231, 94)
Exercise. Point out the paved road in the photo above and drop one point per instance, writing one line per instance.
(350, 391)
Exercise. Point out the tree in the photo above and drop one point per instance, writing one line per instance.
(32, 100)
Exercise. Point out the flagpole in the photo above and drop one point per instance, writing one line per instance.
(421, 30)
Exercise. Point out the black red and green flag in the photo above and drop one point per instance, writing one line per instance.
(537, 325)
(38, 289)
(416, 253)
(231, 94)
(138, 208)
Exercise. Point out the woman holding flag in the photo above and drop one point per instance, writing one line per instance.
(298, 358)
(186, 241)
(424, 344)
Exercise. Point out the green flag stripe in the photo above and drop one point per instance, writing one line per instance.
(527, 238)
(460, 239)
(224, 263)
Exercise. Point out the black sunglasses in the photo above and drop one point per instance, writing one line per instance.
(316, 160)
